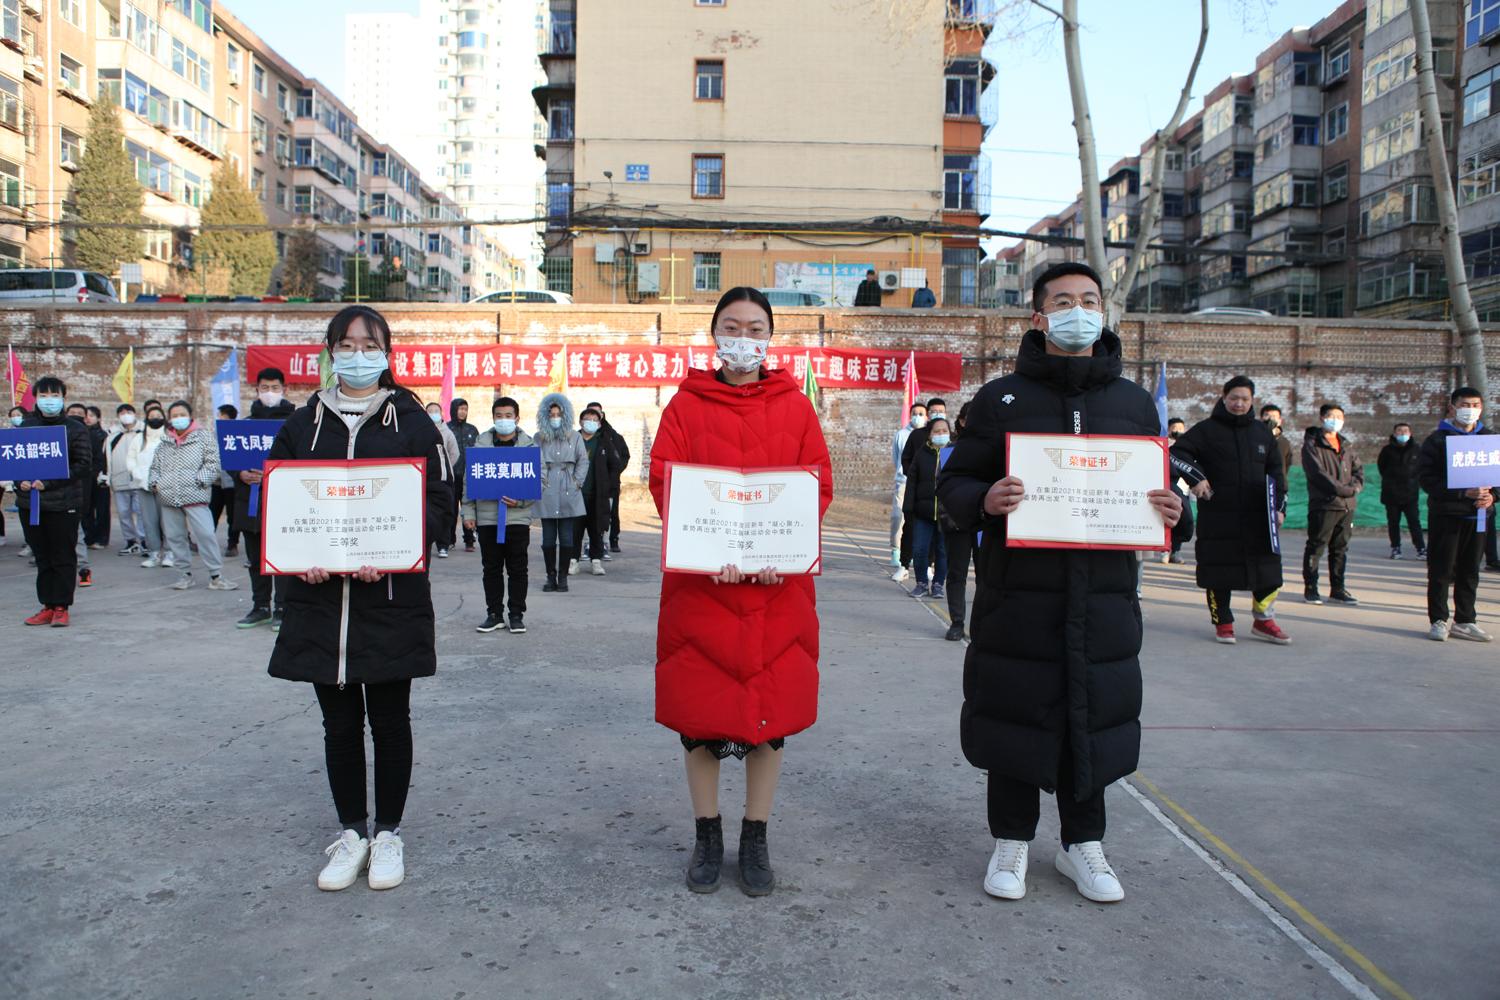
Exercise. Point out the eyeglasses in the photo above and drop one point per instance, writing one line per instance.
(348, 351)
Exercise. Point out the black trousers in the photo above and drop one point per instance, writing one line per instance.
(614, 517)
(263, 587)
(1454, 546)
(589, 524)
(220, 499)
(2, 511)
(388, 707)
(906, 541)
(1182, 531)
(448, 534)
(96, 523)
(1413, 513)
(54, 545)
(1491, 540)
(1219, 611)
(1015, 809)
(502, 559)
(1331, 530)
(960, 552)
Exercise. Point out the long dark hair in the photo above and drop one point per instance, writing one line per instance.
(345, 317)
(743, 293)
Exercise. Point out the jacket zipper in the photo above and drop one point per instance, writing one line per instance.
(344, 611)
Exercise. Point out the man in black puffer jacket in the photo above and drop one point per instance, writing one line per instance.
(54, 542)
(1052, 681)
(1398, 489)
(1453, 518)
(1334, 480)
(1237, 457)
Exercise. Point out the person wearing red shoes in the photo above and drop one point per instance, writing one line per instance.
(53, 541)
(737, 653)
(1237, 462)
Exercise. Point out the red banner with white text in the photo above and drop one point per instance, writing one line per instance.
(612, 365)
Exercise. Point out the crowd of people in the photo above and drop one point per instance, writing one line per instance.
(1052, 682)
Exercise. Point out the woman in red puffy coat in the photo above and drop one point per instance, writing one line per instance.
(737, 654)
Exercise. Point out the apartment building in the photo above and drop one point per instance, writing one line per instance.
(443, 87)
(1479, 154)
(731, 174)
(1302, 188)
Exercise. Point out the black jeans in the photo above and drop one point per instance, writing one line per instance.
(614, 517)
(1219, 611)
(1182, 531)
(960, 549)
(588, 523)
(448, 534)
(220, 499)
(1413, 513)
(502, 559)
(54, 545)
(1331, 530)
(1014, 808)
(263, 587)
(1454, 546)
(96, 524)
(388, 707)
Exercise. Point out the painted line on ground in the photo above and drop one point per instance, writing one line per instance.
(1320, 729)
(1342, 975)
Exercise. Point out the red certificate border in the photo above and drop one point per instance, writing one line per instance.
(1160, 442)
(816, 569)
(267, 569)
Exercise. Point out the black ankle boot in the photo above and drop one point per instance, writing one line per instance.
(549, 561)
(756, 877)
(708, 855)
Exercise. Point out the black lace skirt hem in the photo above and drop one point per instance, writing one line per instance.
(728, 748)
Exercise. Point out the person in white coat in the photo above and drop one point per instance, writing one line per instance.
(121, 483)
(138, 461)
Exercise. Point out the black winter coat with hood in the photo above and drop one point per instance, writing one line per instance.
(1054, 661)
(343, 630)
(1237, 454)
(242, 521)
(1334, 477)
(1432, 473)
(1398, 472)
(75, 492)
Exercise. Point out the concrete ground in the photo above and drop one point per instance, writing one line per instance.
(1312, 821)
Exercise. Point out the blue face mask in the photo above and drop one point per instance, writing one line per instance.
(15, 421)
(180, 424)
(505, 427)
(591, 427)
(1402, 438)
(1332, 425)
(554, 422)
(50, 405)
(1075, 330)
(361, 369)
(437, 418)
(941, 440)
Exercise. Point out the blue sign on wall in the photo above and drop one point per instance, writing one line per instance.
(493, 473)
(639, 173)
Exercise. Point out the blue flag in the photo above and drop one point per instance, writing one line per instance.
(1161, 397)
(224, 389)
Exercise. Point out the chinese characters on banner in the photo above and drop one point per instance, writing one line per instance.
(617, 365)
(503, 473)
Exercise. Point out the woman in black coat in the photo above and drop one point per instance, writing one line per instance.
(1236, 458)
(360, 639)
(920, 505)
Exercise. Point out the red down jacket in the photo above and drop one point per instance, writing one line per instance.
(738, 662)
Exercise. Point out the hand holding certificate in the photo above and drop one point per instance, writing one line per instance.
(748, 521)
(362, 518)
(1085, 491)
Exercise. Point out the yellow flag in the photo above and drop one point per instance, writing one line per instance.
(559, 382)
(124, 380)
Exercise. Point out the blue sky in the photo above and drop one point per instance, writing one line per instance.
(1135, 52)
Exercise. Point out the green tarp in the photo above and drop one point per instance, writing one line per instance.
(1369, 514)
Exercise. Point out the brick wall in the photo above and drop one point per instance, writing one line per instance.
(1381, 371)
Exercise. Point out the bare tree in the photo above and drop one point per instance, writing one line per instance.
(1464, 316)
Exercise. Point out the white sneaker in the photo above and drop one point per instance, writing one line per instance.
(572, 567)
(167, 561)
(219, 583)
(596, 567)
(1006, 877)
(900, 574)
(184, 582)
(442, 553)
(1085, 864)
(346, 859)
(1470, 631)
(151, 562)
(387, 869)
(25, 551)
(1438, 632)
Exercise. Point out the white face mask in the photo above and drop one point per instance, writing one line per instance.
(270, 399)
(741, 354)
(127, 420)
(918, 422)
(1467, 415)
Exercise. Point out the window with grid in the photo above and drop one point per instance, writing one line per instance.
(1338, 62)
(708, 176)
(560, 119)
(709, 80)
(1483, 20)
(960, 183)
(71, 72)
(1480, 95)
(10, 185)
(1336, 123)
(961, 88)
(70, 146)
(707, 272)
(71, 12)
(1336, 183)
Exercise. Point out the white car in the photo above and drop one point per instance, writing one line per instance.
(1232, 311)
(524, 295)
(784, 297)
(63, 285)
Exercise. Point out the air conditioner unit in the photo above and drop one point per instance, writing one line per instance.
(890, 281)
(259, 145)
(234, 78)
(283, 160)
(286, 115)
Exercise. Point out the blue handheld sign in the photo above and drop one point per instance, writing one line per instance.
(244, 445)
(493, 473)
(1473, 462)
(31, 453)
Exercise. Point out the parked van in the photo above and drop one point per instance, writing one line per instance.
(32, 284)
